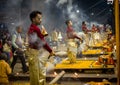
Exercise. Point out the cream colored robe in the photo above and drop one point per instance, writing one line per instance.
(37, 65)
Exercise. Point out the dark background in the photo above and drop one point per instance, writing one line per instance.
(55, 12)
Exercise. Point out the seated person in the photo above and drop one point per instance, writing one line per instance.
(5, 70)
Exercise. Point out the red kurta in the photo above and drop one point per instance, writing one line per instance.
(85, 29)
(71, 33)
(70, 29)
(36, 30)
(94, 29)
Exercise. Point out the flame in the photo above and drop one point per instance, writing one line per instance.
(76, 74)
(55, 73)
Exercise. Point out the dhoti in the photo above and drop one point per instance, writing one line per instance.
(72, 51)
(37, 65)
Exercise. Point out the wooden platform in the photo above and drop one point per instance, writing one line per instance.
(84, 65)
(94, 52)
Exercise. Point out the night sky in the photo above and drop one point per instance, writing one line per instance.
(55, 12)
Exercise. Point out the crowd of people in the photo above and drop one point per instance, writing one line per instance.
(38, 50)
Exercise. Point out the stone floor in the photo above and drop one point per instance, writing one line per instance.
(68, 79)
(61, 83)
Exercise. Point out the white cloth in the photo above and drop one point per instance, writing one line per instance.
(17, 41)
(96, 36)
(37, 65)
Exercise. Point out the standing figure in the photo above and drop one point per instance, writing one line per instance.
(55, 36)
(84, 28)
(72, 46)
(17, 49)
(94, 29)
(38, 51)
(71, 34)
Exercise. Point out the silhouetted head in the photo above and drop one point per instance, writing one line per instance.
(36, 17)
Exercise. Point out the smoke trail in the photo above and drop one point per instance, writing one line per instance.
(55, 12)
(61, 2)
(48, 1)
(13, 8)
(73, 12)
(17, 14)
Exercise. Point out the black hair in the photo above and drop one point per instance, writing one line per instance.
(67, 22)
(3, 56)
(34, 14)
(83, 22)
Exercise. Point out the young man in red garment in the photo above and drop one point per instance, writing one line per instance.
(84, 28)
(71, 34)
(38, 51)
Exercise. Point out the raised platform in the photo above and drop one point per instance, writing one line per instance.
(73, 72)
(84, 66)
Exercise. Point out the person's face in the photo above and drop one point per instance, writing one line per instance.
(38, 19)
(70, 23)
(19, 30)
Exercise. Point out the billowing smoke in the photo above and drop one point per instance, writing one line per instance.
(75, 14)
(13, 17)
(55, 12)
(71, 11)
(61, 2)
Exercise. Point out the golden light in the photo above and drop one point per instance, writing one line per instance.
(76, 74)
(17, 73)
(55, 73)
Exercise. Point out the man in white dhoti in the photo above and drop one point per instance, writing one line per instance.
(38, 51)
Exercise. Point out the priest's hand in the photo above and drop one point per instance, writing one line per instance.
(52, 53)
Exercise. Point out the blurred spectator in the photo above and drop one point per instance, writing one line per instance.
(5, 70)
(1, 46)
(17, 49)
(7, 50)
(94, 28)
(84, 27)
